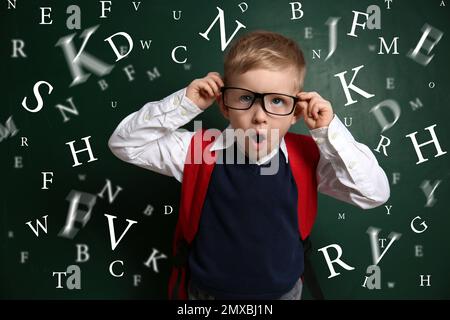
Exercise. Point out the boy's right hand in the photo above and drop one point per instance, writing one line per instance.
(204, 91)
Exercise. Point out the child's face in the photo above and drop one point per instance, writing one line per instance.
(262, 81)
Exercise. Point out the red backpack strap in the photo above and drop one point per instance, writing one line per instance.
(178, 281)
(303, 159)
(304, 156)
(197, 170)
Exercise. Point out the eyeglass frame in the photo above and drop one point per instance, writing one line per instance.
(256, 96)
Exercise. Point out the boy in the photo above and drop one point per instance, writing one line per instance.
(240, 230)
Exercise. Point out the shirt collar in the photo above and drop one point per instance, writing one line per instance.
(227, 138)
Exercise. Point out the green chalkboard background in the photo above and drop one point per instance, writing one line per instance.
(22, 198)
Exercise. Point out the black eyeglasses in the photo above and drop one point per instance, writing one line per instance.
(274, 103)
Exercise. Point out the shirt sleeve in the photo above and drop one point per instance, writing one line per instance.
(150, 137)
(348, 170)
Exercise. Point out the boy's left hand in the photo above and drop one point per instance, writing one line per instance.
(317, 112)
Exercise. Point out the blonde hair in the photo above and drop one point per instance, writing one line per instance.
(267, 50)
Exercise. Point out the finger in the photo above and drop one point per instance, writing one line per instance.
(312, 103)
(299, 106)
(308, 95)
(206, 88)
(302, 105)
(213, 85)
(305, 111)
(315, 110)
(302, 96)
(212, 73)
(218, 80)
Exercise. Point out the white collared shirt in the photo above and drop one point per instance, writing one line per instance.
(151, 138)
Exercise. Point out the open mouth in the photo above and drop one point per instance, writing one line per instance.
(259, 137)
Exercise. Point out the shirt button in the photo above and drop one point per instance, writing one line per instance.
(351, 164)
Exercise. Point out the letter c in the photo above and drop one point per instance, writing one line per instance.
(111, 269)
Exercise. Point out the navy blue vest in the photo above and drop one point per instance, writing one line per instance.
(248, 245)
